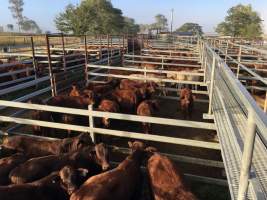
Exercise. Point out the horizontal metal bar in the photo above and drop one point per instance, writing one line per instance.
(82, 112)
(164, 64)
(16, 81)
(23, 86)
(150, 137)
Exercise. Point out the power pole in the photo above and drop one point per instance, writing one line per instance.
(172, 11)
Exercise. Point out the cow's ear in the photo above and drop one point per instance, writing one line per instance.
(151, 149)
(83, 172)
(130, 144)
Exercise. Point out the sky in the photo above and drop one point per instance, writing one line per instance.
(208, 13)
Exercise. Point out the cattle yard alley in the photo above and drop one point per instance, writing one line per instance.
(201, 102)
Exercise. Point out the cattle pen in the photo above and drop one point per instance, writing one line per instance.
(229, 124)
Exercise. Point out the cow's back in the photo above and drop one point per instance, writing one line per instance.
(32, 146)
(166, 180)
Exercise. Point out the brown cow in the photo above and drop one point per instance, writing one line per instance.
(108, 106)
(75, 92)
(142, 90)
(127, 100)
(72, 179)
(80, 102)
(147, 108)
(95, 160)
(41, 116)
(9, 163)
(48, 188)
(186, 102)
(35, 147)
(119, 183)
(166, 180)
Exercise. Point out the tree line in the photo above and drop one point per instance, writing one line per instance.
(23, 22)
(100, 17)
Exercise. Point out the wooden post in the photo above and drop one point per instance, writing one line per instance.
(123, 43)
(108, 50)
(91, 122)
(100, 52)
(162, 64)
(249, 142)
(50, 66)
(111, 42)
(239, 61)
(35, 67)
(64, 53)
(212, 83)
(86, 60)
(133, 48)
(226, 52)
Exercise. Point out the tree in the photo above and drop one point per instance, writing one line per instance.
(90, 17)
(10, 27)
(16, 8)
(24, 23)
(129, 26)
(189, 27)
(144, 28)
(30, 25)
(161, 23)
(241, 21)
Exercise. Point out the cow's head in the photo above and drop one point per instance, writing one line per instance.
(89, 97)
(71, 178)
(136, 145)
(76, 143)
(102, 157)
(155, 104)
(143, 92)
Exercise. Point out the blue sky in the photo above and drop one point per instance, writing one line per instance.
(207, 13)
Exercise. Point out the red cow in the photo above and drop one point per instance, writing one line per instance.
(9, 163)
(127, 100)
(35, 147)
(119, 183)
(186, 102)
(108, 106)
(147, 108)
(94, 159)
(166, 180)
(48, 188)
(41, 116)
(75, 92)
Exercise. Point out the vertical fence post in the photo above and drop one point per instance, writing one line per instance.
(226, 51)
(123, 43)
(249, 142)
(64, 53)
(35, 67)
(91, 122)
(133, 48)
(108, 50)
(86, 59)
(239, 61)
(111, 45)
(50, 66)
(212, 83)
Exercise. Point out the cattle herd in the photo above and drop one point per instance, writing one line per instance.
(77, 169)
(115, 96)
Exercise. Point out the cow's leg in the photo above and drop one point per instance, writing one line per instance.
(146, 128)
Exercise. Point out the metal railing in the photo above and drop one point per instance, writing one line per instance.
(237, 116)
